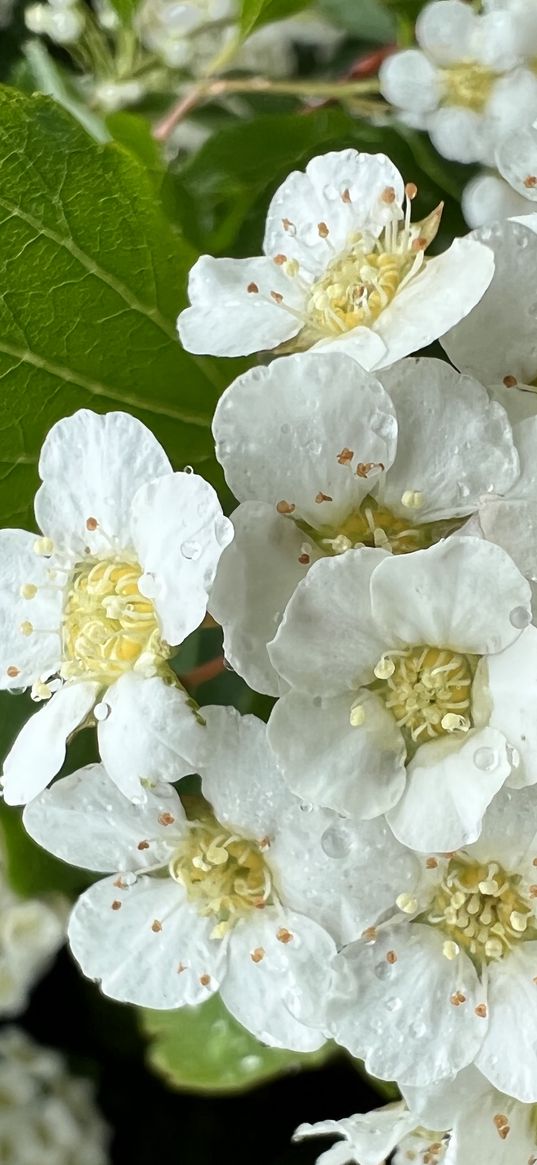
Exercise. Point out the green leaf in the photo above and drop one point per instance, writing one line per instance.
(223, 192)
(92, 278)
(125, 9)
(203, 1049)
(368, 20)
(254, 13)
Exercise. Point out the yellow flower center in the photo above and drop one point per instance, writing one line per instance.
(468, 84)
(108, 625)
(374, 525)
(357, 286)
(482, 910)
(223, 874)
(428, 690)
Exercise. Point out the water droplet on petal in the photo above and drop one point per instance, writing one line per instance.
(485, 759)
(284, 428)
(306, 807)
(417, 1029)
(520, 617)
(188, 469)
(382, 970)
(463, 489)
(513, 756)
(336, 841)
(190, 550)
(223, 531)
(102, 711)
(393, 1003)
(129, 878)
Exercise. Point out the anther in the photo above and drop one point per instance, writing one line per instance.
(257, 955)
(530, 182)
(388, 195)
(276, 296)
(481, 1010)
(357, 716)
(384, 668)
(28, 591)
(26, 628)
(284, 936)
(411, 190)
(323, 230)
(279, 260)
(252, 288)
(345, 196)
(43, 546)
(13, 671)
(510, 381)
(321, 497)
(345, 456)
(91, 524)
(284, 507)
(450, 949)
(156, 926)
(451, 722)
(412, 499)
(407, 903)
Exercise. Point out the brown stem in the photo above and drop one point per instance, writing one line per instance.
(204, 672)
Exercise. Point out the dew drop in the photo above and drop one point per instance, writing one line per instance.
(129, 878)
(190, 550)
(188, 469)
(520, 617)
(513, 756)
(485, 759)
(223, 531)
(336, 841)
(147, 585)
(463, 489)
(284, 428)
(417, 1029)
(382, 970)
(306, 807)
(102, 711)
(393, 1003)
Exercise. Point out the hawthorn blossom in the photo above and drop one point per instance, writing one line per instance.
(497, 343)
(408, 683)
(516, 158)
(323, 457)
(477, 1123)
(246, 893)
(31, 933)
(90, 609)
(469, 83)
(46, 1114)
(343, 266)
(446, 979)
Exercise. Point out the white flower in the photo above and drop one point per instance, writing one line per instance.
(89, 611)
(63, 23)
(343, 266)
(488, 197)
(323, 458)
(367, 1138)
(247, 895)
(411, 690)
(466, 84)
(447, 978)
(46, 1115)
(31, 933)
(497, 343)
(474, 1122)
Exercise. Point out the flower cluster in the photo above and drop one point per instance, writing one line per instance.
(122, 62)
(46, 1114)
(362, 867)
(471, 82)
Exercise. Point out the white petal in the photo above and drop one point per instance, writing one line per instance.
(459, 594)
(371, 1136)
(516, 158)
(327, 642)
(442, 29)
(91, 467)
(512, 522)
(453, 443)
(362, 344)
(291, 973)
(409, 80)
(444, 291)
(179, 533)
(136, 961)
(450, 785)
(499, 338)
(239, 774)
(319, 196)
(398, 1016)
(256, 577)
(359, 771)
(85, 820)
(343, 874)
(512, 692)
(280, 429)
(460, 134)
(519, 401)
(39, 750)
(481, 1139)
(508, 1057)
(226, 319)
(148, 733)
(29, 656)
(508, 832)
(487, 197)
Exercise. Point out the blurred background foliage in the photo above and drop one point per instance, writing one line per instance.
(191, 1086)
